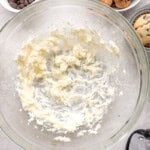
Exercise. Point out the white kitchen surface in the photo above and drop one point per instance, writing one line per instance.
(144, 120)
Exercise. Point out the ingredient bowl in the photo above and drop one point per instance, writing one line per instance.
(132, 5)
(7, 6)
(131, 79)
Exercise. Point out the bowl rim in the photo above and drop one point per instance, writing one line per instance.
(139, 107)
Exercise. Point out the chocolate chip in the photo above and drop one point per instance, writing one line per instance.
(26, 3)
(21, 6)
(21, 1)
(147, 45)
(9, 1)
(18, 2)
(18, 7)
(148, 29)
(30, 1)
(13, 4)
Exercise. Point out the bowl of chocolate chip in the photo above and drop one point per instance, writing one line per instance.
(121, 5)
(16, 5)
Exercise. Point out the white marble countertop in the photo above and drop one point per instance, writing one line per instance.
(144, 119)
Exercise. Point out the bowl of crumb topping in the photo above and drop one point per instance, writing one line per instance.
(74, 76)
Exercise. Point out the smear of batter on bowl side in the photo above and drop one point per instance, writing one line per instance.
(62, 83)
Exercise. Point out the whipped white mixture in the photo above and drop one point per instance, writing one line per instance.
(63, 85)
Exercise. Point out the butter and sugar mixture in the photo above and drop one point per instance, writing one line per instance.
(62, 83)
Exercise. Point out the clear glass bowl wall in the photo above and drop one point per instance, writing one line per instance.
(45, 16)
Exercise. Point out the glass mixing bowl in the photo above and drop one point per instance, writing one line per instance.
(132, 77)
